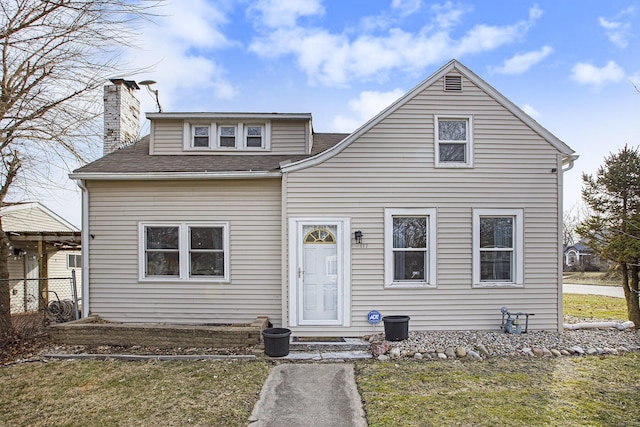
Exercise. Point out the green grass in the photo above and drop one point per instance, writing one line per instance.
(609, 278)
(585, 391)
(594, 306)
(116, 393)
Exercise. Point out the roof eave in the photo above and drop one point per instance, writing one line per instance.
(159, 176)
(228, 115)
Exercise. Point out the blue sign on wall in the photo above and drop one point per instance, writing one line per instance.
(374, 317)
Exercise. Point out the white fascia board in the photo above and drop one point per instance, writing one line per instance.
(453, 64)
(157, 176)
(229, 115)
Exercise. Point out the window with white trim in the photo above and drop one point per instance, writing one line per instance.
(201, 136)
(227, 136)
(184, 251)
(498, 247)
(74, 261)
(253, 137)
(410, 247)
(453, 141)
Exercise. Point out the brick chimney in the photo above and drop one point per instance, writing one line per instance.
(121, 115)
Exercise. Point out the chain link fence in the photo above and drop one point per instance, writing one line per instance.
(58, 298)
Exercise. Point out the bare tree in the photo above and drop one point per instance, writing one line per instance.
(55, 56)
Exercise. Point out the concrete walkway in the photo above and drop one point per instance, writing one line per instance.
(301, 395)
(609, 291)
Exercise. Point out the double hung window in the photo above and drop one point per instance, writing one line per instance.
(498, 247)
(184, 251)
(201, 136)
(227, 136)
(454, 143)
(410, 247)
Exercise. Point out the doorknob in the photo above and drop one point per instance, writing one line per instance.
(300, 273)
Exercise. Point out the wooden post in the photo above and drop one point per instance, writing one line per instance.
(43, 274)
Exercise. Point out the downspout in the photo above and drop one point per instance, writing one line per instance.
(566, 163)
(559, 264)
(85, 247)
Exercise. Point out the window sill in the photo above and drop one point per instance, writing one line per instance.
(497, 285)
(158, 279)
(454, 165)
(409, 285)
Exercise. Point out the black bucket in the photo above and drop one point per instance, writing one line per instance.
(276, 341)
(396, 328)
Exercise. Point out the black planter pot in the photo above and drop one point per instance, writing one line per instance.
(276, 341)
(396, 328)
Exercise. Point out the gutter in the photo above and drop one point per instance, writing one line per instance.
(156, 176)
(85, 248)
(569, 161)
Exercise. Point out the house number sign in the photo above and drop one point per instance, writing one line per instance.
(374, 317)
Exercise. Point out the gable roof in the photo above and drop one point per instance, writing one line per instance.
(564, 149)
(135, 162)
(33, 217)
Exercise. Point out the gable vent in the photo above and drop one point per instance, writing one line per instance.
(453, 83)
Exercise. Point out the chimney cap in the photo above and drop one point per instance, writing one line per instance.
(130, 84)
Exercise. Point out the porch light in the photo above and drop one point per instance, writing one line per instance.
(357, 235)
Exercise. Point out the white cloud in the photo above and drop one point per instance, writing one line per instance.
(334, 59)
(448, 15)
(406, 7)
(518, 64)
(365, 107)
(592, 75)
(285, 13)
(617, 29)
(531, 111)
(177, 47)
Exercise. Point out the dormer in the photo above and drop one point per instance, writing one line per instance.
(230, 133)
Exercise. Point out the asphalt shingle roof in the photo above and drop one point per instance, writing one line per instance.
(136, 159)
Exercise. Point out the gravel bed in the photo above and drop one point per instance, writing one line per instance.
(483, 344)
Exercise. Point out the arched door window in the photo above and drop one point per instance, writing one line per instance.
(319, 235)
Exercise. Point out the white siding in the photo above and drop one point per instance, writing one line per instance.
(287, 137)
(392, 166)
(252, 209)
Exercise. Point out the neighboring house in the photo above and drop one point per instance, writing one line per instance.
(445, 207)
(43, 246)
(581, 257)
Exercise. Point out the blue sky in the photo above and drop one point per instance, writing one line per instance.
(570, 64)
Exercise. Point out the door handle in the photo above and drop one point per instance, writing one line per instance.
(300, 273)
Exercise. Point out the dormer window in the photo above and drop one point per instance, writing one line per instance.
(254, 136)
(227, 136)
(201, 136)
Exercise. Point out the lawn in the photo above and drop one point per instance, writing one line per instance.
(115, 393)
(594, 307)
(581, 391)
(571, 391)
(609, 278)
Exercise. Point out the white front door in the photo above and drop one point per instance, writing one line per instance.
(319, 281)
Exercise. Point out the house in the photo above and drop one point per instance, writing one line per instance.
(45, 249)
(581, 257)
(445, 207)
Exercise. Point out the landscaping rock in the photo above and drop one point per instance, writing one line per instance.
(482, 350)
(461, 352)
